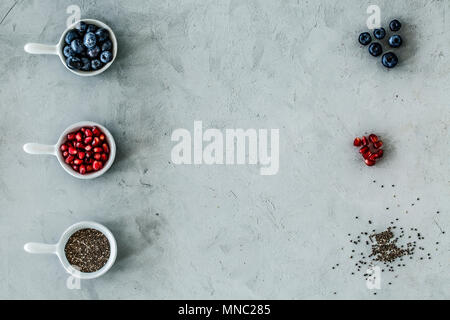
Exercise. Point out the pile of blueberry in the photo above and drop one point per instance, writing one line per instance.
(88, 47)
(389, 59)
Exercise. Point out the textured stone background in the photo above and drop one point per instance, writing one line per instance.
(216, 231)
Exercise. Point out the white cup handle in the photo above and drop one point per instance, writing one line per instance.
(40, 248)
(38, 48)
(36, 148)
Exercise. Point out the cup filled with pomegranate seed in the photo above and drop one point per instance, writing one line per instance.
(86, 150)
(86, 250)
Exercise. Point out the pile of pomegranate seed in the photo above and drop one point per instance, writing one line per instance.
(86, 150)
(370, 148)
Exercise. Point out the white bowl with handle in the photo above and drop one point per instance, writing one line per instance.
(54, 150)
(38, 48)
(58, 249)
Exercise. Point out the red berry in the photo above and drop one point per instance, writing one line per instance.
(97, 165)
(72, 150)
(378, 144)
(357, 142)
(373, 138)
(369, 162)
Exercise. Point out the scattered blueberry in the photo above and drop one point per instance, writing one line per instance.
(73, 62)
(379, 33)
(395, 41)
(71, 35)
(102, 34)
(81, 27)
(375, 49)
(68, 51)
(96, 64)
(389, 60)
(89, 40)
(91, 28)
(85, 64)
(365, 38)
(395, 25)
(77, 46)
(107, 45)
(106, 56)
(93, 52)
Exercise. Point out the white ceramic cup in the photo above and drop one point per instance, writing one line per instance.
(36, 148)
(37, 48)
(58, 249)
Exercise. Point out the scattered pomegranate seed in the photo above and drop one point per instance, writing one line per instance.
(371, 148)
(86, 150)
(97, 165)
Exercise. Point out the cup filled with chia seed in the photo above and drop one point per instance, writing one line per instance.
(87, 250)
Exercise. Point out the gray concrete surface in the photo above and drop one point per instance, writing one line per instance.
(225, 231)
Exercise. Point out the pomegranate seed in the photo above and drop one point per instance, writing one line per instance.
(88, 148)
(373, 138)
(88, 154)
(97, 156)
(98, 150)
(373, 156)
(97, 165)
(96, 141)
(105, 147)
(357, 142)
(80, 145)
(96, 131)
(82, 129)
(378, 144)
(380, 153)
(79, 136)
(82, 169)
(89, 161)
(365, 142)
(104, 157)
(88, 140)
(369, 162)
(75, 167)
(89, 168)
(364, 150)
(88, 133)
(65, 154)
(102, 137)
(78, 161)
(69, 159)
(63, 147)
(72, 150)
(81, 154)
(71, 136)
(367, 155)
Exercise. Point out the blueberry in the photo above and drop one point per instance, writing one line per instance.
(81, 27)
(365, 38)
(91, 28)
(107, 45)
(106, 56)
(77, 46)
(93, 52)
(395, 41)
(102, 34)
(89, 40)
(73, 62)
(71, 35)
(96, 64)
(68, 51)
(86, 64)
(395, 25)
(389, 60)
(375, 49)
(379, 33)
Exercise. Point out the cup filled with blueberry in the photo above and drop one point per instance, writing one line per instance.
(87, 48)
(85, 150)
